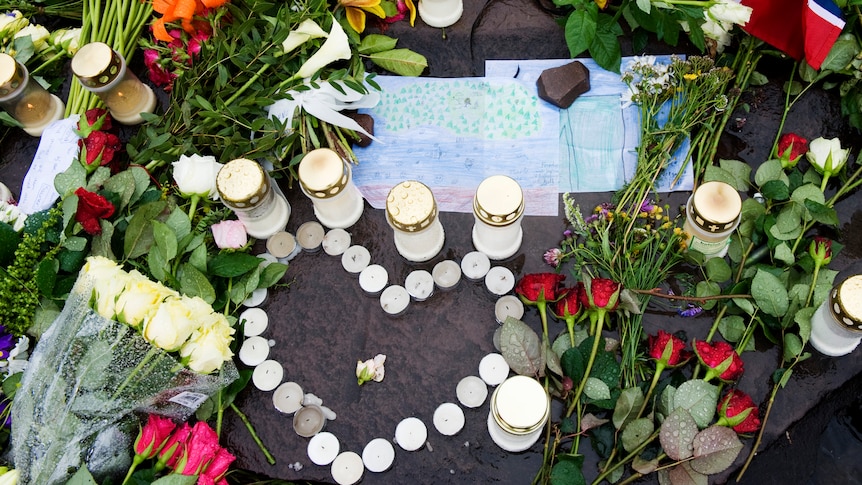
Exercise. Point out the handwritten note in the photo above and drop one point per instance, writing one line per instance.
(57, 150)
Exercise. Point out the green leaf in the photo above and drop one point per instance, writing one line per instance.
(573, 363)
(179, 222)
(792, 346)
(67, 182)
(139, 234)
(195, 283)
(46, 275)
(11, 384)
(769, 293)
(677, 434)
(198, 258)
(783, 253)
(770, 170)
(82, 477)
(102, 242)
(636, 432)
(596, 389)
(775, 190)
(122, 184)
(165, 239)
(732, 328)
(552, 360)
(271, 274)
(580, 29)
(699, 398)
(230, 265)
(521, 347)
(803, 319)
(605, 48)
(628, 404)
(567, 472)
(374, 43)
(715, 449)
(740, 171)
(665, 402)
(142, 182)
(822, 213)
(842, 53)
(403, 62)
(717, 270)
(174, 479)
(158, 264)
(745, 305)
(707, 288)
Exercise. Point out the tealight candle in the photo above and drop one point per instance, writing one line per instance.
(419, 284)
(440, 13)
(248, 190)
(256, 321)
(347, 468)
(411, 211)
(448, 419)
(446, 274)
(394, 299)
(253, 351)
(493, 369)
(355, 259)
(373, 279)
(308, 420)
(323, 448)
(471, 391)
(256, 297)
(378, 455)
(282, 245)
(475, 265)
(711, 215)
(500, 280)
(287, 397)
(310, 236)
(498, 208)
(326, 179)
(508, 306)
(836, 326)
(25, 99)
(411, 433)
(336, 241)
(267, 375)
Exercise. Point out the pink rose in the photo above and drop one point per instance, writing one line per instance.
(229, 234)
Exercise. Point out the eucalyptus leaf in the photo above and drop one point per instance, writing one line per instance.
(636, 432)
(403, 62)
(715, 449)
(677, 434)
(521, 347)
(699, 398)
(769, 293)
(628, 405)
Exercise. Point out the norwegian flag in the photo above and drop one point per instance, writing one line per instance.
(801, 28)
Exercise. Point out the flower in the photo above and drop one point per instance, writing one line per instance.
(12, 215)
(174, 321)
(305, 31)
(7, 342)
(821, 250)
(217, 468)
(729, 11)
(552, 257)
(17, 359)
(11, 22)
(569, 304)
(153, 436)
(200, 449)
(38, 35)
(827, 156)
(229, 234)
(209, 346)
(140, 299)
(97, 119)
(110, 280)
(538, 288)
(601, 294)
(10, 477)
(67, 40)
(371, 369)
(721, 360)
(791, 147)
(738, 411)
(195, 175)
(667, 349)
(158, 74)
(98, 149)
(355, 10)
(336, 47)
(91, 208)
(183, 10)
(173, 447)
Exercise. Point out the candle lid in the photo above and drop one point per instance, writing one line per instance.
(242, 183)
(410, 206)
(12, 75)
(845, 302)
(323, 173)
(521, 402)
(715, 207)
(96, 65)
(499, 201)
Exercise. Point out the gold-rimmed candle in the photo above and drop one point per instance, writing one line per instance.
(326, 179)
(25, 99)
(245, 187)
(836, 326)
(712, 214)
(498, 208)
(411, 211)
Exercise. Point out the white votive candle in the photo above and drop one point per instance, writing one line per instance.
(378, 455)
(446, 274)
(256, 297)
(411, 433)
(420, 284)
(256, 321)
(508, 306)
(448, 419)
(282, 245)
(471, 391)
(323, 448)
(493, 369)
(310, 236)
(309, 420)
(373, 279)
(347, 468)
(326, 179)
(355, 259)
(394, 299)
(500, 280)
(475, 265)
(287, 398)
(267, 375)
(254, 350)
(336, 241)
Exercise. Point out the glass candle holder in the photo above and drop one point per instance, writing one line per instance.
(411, 211)
(498, 208)
(520, 407)
(248, 190)
(712, 214)
(102, 71)
(440, 13)
(836, 326)
(326, 179)
(25, 99)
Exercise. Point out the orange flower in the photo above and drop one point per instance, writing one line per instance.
(356, 12)
(182, 10)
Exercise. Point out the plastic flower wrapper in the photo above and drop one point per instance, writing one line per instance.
(86, 378)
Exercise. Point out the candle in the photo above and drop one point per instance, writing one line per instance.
(336, 241)
(471, 391)
(373, 279)
(394, 300)
(310, 236)
(256, 297)
(308, 420)
(508, 306)
(520, 405)
(267, 375)
(411, 211)
(419, 284)
(326, 179)
(256, 321)
(347, 468)
(440, 13)
(475, 265)
(282, 245)
(512, 443)
(836, 326)
(378, 455)
(287, 397)
(499, 280)
(493, 369)
(498, 208)
(448, 419)
(711, 215)
(355, 259)
(323, 448)
(410, 434)
(446, 274)
(253, 351)
(248, 190)
(25, 99)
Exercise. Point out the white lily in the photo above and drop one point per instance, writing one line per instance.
(307, 30)
(335, 48)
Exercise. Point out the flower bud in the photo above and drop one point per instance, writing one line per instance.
(821, 250)
(738, 411)
(668, 350)
(721, 360)
(827, 156)
(791, 147)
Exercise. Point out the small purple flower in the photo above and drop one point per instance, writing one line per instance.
(552, 256)
(7, 343)
(568, 233)
(647, 206)
(691, 311)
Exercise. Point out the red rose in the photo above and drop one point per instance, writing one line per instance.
(738, 411)
(569, 304)
(215, 471)
(539, 287)
(821, 250)
(99, 147)
(602, 294)
(667, 349)
(791, 147)
(98, 119)
(200, 449)
(153, 436)
(91, 208)
(721, 359)
(173, 447)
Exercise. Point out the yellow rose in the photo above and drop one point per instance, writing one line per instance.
(109, 280)
(140, 299)
(209, 346)
(175, 320)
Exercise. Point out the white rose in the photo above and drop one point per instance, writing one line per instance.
(717, 31)
(827, 156)
(196, 175)
(12, 22)
(12, 215)
(140, 299)
(306, 31)
(729, 12)
(174, 321)
(335, 48)
(38, 35)
(109, 281)
(10, 477)
(209, 346)
(68, 40)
